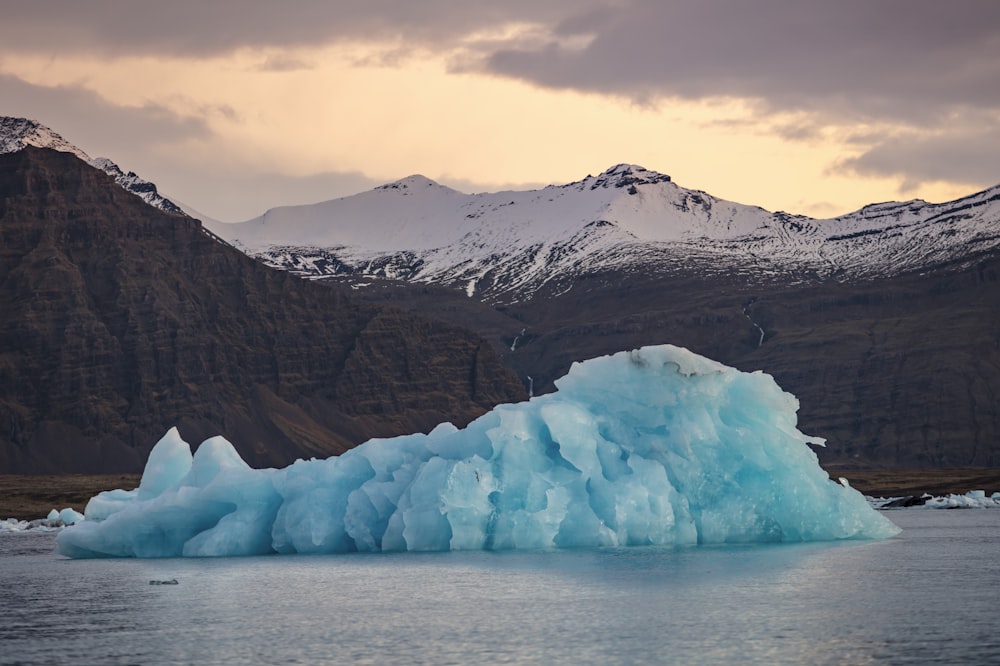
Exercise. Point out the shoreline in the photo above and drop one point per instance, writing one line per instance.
(916, 482)
(27, 497)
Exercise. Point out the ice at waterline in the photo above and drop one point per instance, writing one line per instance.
(653, 446)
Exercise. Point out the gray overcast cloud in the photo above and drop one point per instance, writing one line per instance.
(205, 27)
(929, 66)
(891, 57)
(73, 111)
(912, 58)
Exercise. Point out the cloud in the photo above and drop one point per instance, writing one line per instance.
(282, 62)
(920, 78)
(205, 27)
(913, 59)
(964, 152)
(97, 126)
(893, 58)
(929, 71)
(909, 59)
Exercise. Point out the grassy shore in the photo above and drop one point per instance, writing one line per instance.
(30, 497)
(898, 483)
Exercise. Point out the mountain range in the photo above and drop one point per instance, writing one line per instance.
(884, 322)
(507, 247)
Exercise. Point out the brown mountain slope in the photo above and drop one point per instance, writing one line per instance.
(896, 373)
(118, 321)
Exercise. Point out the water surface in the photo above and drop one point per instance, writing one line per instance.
(925, 596)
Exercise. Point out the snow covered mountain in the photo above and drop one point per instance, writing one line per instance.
(16, 133)
(883, 322)
(506, 246)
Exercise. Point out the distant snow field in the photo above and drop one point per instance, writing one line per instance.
(507, 245)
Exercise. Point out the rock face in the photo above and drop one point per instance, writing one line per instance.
(120, 320)
(898, 373)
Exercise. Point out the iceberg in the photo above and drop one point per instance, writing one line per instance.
(53, 521)
(656, 446)
(67, 516)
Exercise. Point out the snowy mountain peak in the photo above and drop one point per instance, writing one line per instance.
(17, 133)
(144, 189)
(624, 176)
(412, 184)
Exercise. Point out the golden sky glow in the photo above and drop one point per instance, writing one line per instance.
(353, 107)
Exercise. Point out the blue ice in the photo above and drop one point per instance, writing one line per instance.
(652, 446)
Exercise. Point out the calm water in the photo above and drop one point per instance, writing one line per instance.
(929, 595)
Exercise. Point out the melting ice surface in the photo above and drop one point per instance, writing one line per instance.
(653, 446)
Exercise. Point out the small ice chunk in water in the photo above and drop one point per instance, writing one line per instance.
(70, 516)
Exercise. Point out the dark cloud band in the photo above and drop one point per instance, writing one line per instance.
(928, 66)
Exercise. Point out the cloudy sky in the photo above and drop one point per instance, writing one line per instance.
(814, 107)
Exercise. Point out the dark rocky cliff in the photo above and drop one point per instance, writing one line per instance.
(119, 321)
(896, 373)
